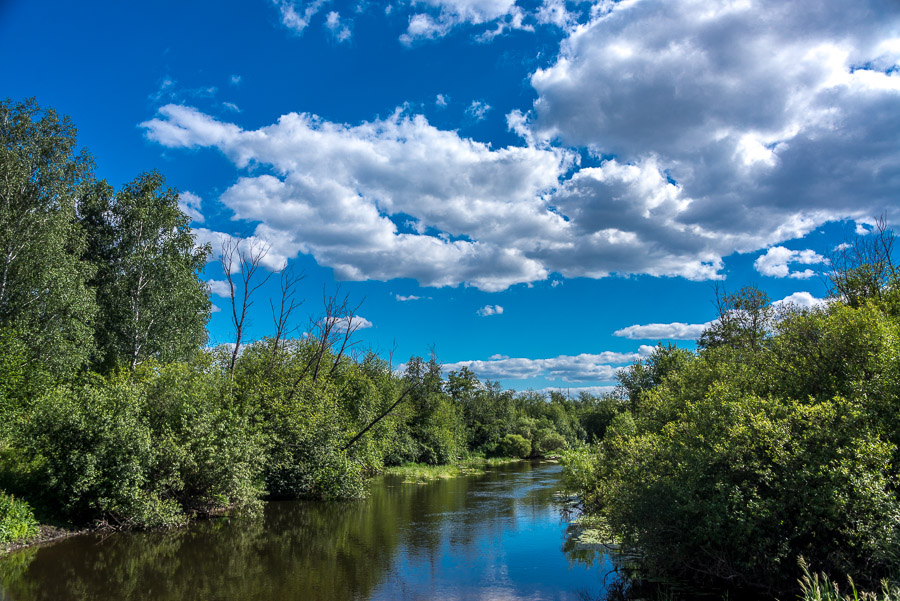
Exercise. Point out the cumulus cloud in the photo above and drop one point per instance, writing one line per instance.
(554, 12)
(337, 27)
(271, 255)
(600, 367)
(333, 188)
(215, 309)
(488, 310)
(357, 322)
(800, 300)
(502, 215)
(733, 127)
(191, 205)
(663, 331)
(297, 15)
(775, 262)
(442, 16)
(574, 391)
(411, 297)
(478, 110)
(219, 288)
(767, 119)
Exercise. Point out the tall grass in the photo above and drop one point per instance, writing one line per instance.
(818, 587)
(419, 473)
(17, 522)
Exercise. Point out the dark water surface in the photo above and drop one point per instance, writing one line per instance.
(498, 537)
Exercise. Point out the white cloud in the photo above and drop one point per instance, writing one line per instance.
(478, 110)
(338, 28)
(554, 12)
(335, 186)
(768, 118)
(735, 127)
(191, 205)
(235, 80)
(297, 15)
(600, 367)
(488, 310)
(219, 288)
(443, 16)
(663, 331)
(800, 300)
(775, 262)
(357, 322)
(574, 391)
(272, 258)
(441, 100)
(214, 309)
(411, 297)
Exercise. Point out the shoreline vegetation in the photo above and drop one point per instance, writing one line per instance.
(115, 412)
(765, 463)
(777, 439)
(421, 473)
(21, 530)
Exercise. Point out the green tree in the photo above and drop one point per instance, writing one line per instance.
(745, 319)
(44, 294)
(152, 302)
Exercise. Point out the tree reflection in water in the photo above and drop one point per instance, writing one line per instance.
(497, 535)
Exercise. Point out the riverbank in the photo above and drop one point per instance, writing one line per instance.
(420, 473)
(412, 473)
(46, 534)
(448, 539)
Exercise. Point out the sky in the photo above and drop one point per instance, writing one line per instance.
(538, 190)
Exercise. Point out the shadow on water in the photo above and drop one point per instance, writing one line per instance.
(499, 535)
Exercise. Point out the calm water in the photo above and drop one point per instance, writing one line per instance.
(500, 536)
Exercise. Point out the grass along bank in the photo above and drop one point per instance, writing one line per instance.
(420, 473)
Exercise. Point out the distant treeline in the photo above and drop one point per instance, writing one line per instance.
(779, 438)
(112, 408)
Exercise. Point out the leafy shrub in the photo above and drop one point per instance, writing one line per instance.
(16, 519)
(141, 450)
(304, 435)
(547, 441)
(514, 445)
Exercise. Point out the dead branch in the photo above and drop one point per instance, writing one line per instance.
(242, 256)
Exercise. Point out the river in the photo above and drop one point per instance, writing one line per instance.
(500, 536)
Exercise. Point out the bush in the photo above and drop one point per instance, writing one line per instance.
(142, 450)
(547, 441)
(304, 435)
(16, 520)
(514, 445)
(741, 486)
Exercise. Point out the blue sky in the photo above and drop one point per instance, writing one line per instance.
(538, 190)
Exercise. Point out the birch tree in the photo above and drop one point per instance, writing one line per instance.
(44, 296)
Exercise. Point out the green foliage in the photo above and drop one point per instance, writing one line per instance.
(163, 430)
(43, 281)
(17, 521)
(143, 450)
(547, 441)
(152, 303)
(778, 439)
(744, 321)
(513, 445)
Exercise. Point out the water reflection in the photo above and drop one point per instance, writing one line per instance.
(496, 536)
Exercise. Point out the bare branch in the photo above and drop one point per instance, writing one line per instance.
(243, 257)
